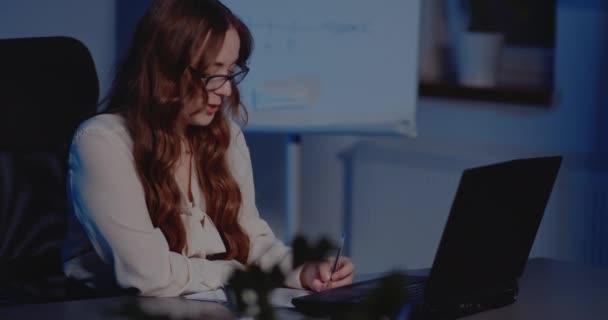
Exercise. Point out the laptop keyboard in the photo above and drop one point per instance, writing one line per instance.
(415, 292)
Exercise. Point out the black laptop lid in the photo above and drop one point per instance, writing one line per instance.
(491, 227)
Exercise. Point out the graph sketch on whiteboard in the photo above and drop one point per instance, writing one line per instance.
(293, 92)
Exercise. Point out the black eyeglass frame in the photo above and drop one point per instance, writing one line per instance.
(234, 78)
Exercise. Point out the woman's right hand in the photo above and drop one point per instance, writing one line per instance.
(316, 276)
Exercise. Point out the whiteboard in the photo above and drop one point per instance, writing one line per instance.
(331, 66)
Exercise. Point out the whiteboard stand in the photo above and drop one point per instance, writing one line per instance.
(292, 176)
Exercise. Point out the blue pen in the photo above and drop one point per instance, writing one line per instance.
(333, 269)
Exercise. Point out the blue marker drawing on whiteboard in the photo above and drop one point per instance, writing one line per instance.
(294, 92)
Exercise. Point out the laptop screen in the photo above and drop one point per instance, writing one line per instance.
(491, 227)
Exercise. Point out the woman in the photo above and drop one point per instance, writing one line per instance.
(161, 185)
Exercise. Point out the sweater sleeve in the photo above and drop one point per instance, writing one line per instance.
(109, 202)
(266, 250)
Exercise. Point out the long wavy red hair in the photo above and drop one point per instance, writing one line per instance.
(151, 88)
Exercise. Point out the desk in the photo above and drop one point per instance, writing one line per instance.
(548, 290)
(557, 290)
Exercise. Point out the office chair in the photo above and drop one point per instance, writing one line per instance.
(47, 87)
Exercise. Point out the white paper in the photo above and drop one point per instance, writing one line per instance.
(279, 297)
(212, 295)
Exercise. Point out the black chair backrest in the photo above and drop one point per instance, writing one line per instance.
(47, 87)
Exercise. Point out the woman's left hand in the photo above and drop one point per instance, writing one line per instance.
(318, 276)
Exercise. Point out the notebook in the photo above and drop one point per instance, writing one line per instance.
(484, 247)
(279, 297)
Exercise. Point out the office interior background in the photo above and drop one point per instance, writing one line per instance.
(391, 193)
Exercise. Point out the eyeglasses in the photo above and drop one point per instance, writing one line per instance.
(215, 81)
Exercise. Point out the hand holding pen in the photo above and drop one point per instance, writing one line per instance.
(334, 272)
(336, 259)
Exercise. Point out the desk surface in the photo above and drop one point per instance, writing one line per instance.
(557, 290)
(548, 290)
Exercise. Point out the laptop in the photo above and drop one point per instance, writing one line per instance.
(484, 247)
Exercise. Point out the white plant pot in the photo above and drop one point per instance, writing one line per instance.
(478, 58)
